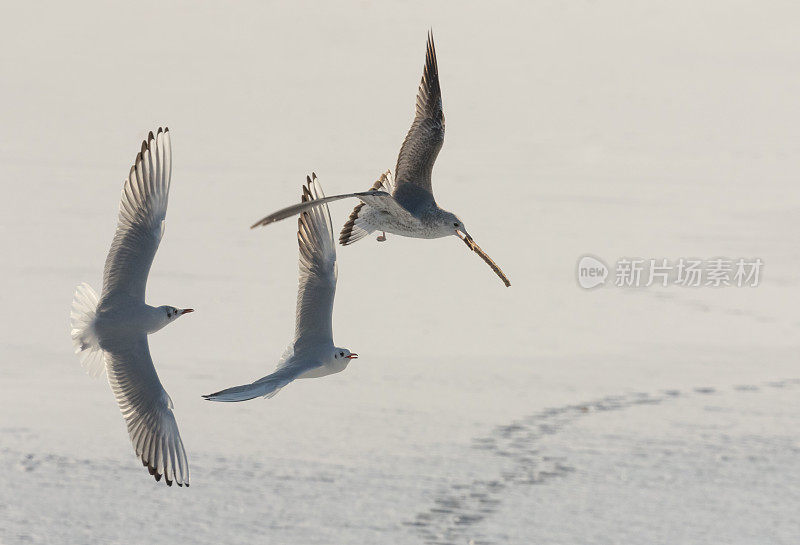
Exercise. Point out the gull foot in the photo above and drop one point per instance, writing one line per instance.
(381, 237)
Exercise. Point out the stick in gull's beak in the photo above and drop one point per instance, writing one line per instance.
(468, 240)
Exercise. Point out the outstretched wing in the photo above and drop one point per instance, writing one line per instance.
(287, 371)
(317, 286)
(365, 196)
(426, 135)
(140, 226)
(147, 409)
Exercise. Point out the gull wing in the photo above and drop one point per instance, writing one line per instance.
(289, 368)
(426, 135)
(147, 408)
(317, 285)
(140, 225)
(369, 197)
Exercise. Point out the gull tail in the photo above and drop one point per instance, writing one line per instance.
(265, 387)
(81, 325)
(356, 227)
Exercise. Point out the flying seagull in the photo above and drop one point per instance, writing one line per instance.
(110, 332)
(404, 204)
(312, 354)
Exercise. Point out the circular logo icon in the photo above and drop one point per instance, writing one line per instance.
(591, 272)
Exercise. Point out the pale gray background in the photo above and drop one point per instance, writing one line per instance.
(475, 412)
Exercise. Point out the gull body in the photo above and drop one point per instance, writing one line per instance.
(313, 353)
(404, 204)
(126, 315)
(110, 331)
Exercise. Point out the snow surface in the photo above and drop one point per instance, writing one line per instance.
(542, 413)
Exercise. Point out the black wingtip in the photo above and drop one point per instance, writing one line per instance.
(306, 193)
(259, 223)
(431, 53)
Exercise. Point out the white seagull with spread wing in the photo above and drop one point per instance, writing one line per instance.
(110, 332)
(312, 354)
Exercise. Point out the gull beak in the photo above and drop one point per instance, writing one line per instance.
(468, 240)
(463, 235)
(186, 311)
(352, 357)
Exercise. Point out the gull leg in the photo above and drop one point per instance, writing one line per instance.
(381, 237)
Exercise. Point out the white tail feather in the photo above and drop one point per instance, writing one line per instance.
(81, 325)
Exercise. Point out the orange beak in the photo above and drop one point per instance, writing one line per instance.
(185, 311)
(352, 357)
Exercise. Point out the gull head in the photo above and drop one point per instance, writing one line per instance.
(159, 317)
(342, 356)
(172, 313)
(450, 224)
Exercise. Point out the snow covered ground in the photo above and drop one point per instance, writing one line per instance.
(542, 413)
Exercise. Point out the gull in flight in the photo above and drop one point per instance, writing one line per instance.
(312, 354)
(404, 204)
(110, 332)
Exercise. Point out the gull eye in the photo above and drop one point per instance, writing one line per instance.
(455, 224)
(341, 353)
